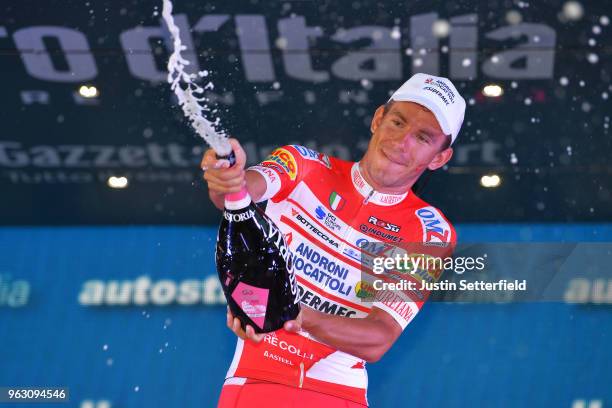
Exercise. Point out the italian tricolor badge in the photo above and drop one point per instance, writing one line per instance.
(336, 202)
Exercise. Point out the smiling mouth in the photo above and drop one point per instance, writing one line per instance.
(391, 158)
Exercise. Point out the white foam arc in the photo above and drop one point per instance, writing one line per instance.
(190, 95)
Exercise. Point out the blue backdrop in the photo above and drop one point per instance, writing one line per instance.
(70, 315)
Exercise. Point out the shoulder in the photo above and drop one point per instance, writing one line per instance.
(287, 160)
(286, 166)
(299, 160)
(311, 157)
(436, 228)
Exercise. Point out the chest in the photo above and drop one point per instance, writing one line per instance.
(325, 227)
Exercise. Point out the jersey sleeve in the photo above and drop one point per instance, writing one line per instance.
(402, 310)
(403, 305)
(282, 170)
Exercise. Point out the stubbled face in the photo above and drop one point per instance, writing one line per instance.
(405, 141)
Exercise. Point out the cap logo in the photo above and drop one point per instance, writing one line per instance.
(435, 91)
(439, 94)
(446, 89)
(450, 95)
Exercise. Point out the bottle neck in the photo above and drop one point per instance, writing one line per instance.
(238, 201)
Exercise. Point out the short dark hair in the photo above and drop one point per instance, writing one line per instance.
(388, 106)
(447, 141)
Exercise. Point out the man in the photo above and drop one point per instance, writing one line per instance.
(326, 208)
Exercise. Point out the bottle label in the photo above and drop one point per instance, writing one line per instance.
(279, 242)
(253, 301)
(238, 217)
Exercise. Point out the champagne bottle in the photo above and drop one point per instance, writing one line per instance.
(255, 266)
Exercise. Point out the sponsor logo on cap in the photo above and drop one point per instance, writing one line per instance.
(448, 97)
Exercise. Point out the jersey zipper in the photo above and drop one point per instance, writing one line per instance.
(367, 199)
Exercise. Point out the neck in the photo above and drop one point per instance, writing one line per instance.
(370, 175)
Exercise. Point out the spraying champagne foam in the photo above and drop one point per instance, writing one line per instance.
(189, 94)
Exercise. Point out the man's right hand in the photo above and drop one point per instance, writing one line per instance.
(233, 323)
(220, 177)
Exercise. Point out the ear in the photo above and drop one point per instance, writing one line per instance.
(377, 119)
(441, 159)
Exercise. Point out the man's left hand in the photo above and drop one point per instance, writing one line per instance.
(234, 324)
(294, 326)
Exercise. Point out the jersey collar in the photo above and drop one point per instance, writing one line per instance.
(368, 192)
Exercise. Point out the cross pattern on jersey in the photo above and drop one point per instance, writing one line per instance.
(327, 211)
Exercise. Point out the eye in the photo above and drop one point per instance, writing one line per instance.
(423, 138)
(396, 122)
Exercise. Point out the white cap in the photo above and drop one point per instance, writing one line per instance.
(439, 95)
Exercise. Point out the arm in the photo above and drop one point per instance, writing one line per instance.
(222, 179)
(368, 338)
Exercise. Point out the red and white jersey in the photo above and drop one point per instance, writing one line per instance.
(326, 209)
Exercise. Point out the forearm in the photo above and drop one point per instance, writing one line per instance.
(367, 338)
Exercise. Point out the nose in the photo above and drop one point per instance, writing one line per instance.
(400, 144)
(406, 139)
